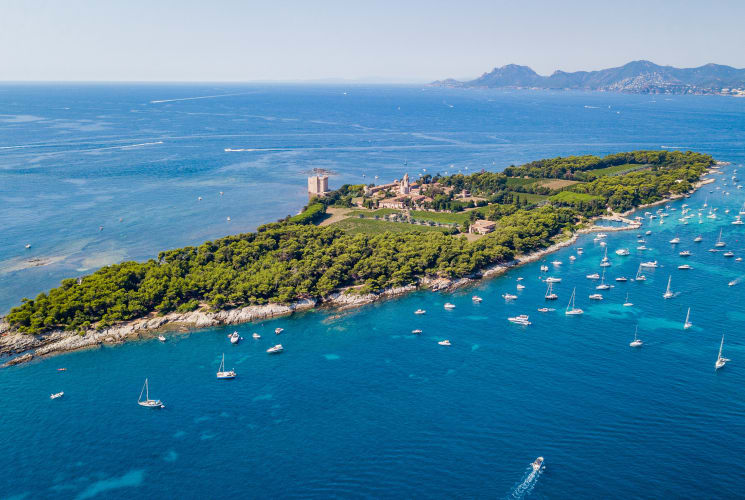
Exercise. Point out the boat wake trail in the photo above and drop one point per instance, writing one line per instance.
(525, 486)
(199, 97)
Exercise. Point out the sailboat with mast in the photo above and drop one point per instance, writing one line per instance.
(572, 310)
(688, 323)
(603, 285)
(719, 242)
(147, 402)
(627, 303)
(721, 361)
(605, 262)
(639, 276)
(550, 295)
(637, 342)
(668, 292)
(223, 374)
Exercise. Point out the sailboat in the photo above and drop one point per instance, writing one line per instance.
(147, 402)
(637, 342)
(720, 360)
(639, 275)
(668, 293)
(627, 303)
(719, 242)
(550, 295)
(222, 374)
(605, 262)
(687, 323)
(571, 309)
(603, 285)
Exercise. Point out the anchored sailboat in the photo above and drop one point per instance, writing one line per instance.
(719, 242)
(668, 293)
(147, 402)
(550, 295)
(571, 309)
(222, 373)
(637, 342)
(687, 323)
(639, 276)
(627, 303)
(721, 361)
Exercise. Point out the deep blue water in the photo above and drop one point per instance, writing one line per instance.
(357, 406)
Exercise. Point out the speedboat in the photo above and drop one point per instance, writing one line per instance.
(642, 247)
(553, 280)
(580, 250)
(420, 311)
(57, 395)
(651, 264)
(556, 262)
(256, 336)
(685, 266)
(622, 251)
(234, 338)
(520, 286)
(476, 298)
(685, 253)
(596, 296)
(543, 309)
(537, 464)
(509, 296)
(522, 319)
(732, 283)
(572, 258)
(544, 268)
(444, 342)
(593, 276)
(416, 332)
(675, 240)
(648, 233)
(161, 338)
(698, 239)
(277, 331)
(276, 349)
(448, 305)
(729, 254)
(622, 279)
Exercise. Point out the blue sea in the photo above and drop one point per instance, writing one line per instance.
(357, 406)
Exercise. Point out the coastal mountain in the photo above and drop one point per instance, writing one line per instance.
(639, 77)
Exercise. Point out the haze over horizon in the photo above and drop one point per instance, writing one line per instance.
(330, 40)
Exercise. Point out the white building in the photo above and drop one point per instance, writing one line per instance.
(318, 185)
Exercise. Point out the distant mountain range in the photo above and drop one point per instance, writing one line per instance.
(639, 77)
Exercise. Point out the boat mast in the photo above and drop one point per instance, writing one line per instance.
(720, 348)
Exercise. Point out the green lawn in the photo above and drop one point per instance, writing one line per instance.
(618, 169)
(572, 197)
(354, 225)
(513, 182)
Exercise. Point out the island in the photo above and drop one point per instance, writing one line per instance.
(636, 77)
(352, 246)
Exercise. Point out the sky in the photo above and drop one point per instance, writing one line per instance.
(369, 40)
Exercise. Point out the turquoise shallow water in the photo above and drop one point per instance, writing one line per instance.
(357, 406)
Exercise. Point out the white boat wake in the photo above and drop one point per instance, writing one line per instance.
(199, 97)
(525, 486)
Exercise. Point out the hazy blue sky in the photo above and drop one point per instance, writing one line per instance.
(389, 40)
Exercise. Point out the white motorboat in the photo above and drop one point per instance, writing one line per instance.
(571, 309)
(545, 309)
(234, 338)
(161, 338)
(520, 286)
(637, 342)
(668, 292)
(550, 295)
(685, 253)
(420, 311)
(572, 258)
(222, 373)
(649, 264)
(444, 342)
(147, 402)
(648, 233)
(698, 239)
(553, 280)
(721, 360)
(476, 298)
(684, 267)
(537, 464)
(675, 241)
(276, 349)
(509, 296)
(416, 332)
(622, 251)
(596, 296)
(544, 268)
(57, 395)
(580, 250)
(277, 331)
(256, 336)
(642, 247)
(729, 254)
(687, 324)
(593, 276)
(622, 279)
(448, 305)
(556, 262)
(522, 319)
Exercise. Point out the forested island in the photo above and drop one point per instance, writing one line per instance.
(345, 241)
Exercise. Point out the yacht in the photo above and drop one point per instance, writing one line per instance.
(637, 342)
(508, 296)
(687, 324)
(648, 232)
(627, 303)
(448, 305)
(684, 266)
(444, 342)
(223, 374)
(571, 309)
(420, 311)
(623, 251)
(416, 332)
(537, 464)
(234, 338)
(550, 295)
(596, 296)
(556, 262)
(685, 253)
(675, 241)
(147, 402)
(553, 280)
(622, 279)
(721, 361)
(732, 283)
(276, 349)
(649, 264)
(719, 242)
(161, 338)
(476, 298)
(642, 247)
(256, 336)
(593, 276)
(668, 293)
(520, 286)
(522, 320)
(729, 254)
(57, 395)
(544, 309)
